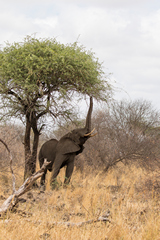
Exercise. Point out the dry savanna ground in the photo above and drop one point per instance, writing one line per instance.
(129, 195)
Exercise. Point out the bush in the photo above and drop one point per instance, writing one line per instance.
(13, 136)
(128, 132)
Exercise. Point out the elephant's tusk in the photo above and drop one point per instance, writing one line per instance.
(88, 134)
(93, 135)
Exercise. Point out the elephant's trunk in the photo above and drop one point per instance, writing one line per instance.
(88, 119)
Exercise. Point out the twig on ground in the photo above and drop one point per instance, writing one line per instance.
(79, 224)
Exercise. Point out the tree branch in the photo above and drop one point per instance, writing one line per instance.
(10, 92)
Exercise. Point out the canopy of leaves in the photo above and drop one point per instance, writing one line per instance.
(37, 73)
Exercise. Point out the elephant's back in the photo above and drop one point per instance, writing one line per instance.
(48, 150)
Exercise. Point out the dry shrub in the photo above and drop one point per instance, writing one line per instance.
(13, 136)
(150, 185)
(128, 132)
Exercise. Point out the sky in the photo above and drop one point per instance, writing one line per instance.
(124, 34)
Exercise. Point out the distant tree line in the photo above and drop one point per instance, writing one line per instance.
(128, 133)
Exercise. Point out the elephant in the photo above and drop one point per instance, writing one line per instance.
(62, 153)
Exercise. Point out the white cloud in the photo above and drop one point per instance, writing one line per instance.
(150, 27)
(49, 22)
(124, 34)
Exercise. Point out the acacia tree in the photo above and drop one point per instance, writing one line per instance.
(38, 78)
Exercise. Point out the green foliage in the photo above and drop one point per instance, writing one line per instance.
(39, 71)
(26, 65)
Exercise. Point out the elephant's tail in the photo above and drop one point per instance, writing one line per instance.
(40, 158)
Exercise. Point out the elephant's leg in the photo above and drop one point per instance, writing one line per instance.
(42, 182)
(55, 169)
(69, 169)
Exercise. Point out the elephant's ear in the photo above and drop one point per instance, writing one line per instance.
(66, 145)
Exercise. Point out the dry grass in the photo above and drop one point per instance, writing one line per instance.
(132, 196)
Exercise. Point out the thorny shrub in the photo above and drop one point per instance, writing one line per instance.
(128, 132)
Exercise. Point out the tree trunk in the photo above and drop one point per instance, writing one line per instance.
(34, 151)
(30, 163)
(31, 156)
(27, 149)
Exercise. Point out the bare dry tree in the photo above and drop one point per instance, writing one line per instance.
(128, 132)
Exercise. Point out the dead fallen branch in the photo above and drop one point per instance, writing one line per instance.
(67, 224)
(13, 199)
(79, 224)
